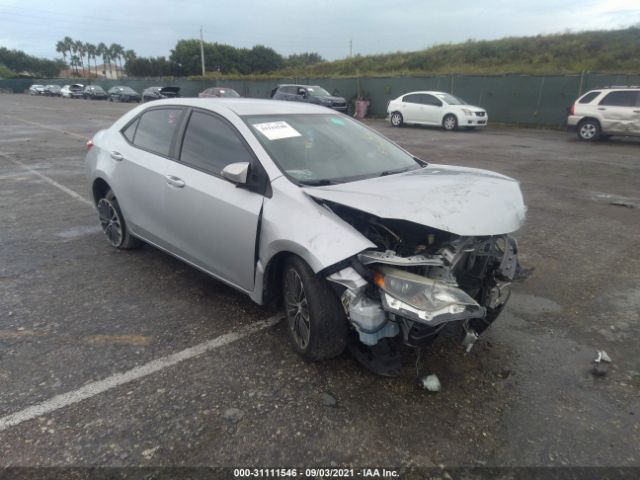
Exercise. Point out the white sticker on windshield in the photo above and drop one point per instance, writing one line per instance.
(277, 130)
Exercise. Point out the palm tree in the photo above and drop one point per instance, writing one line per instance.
(103, 50)
(116, 51)
(129, 55)
(61, 47)
(73, 50)
(91, 53)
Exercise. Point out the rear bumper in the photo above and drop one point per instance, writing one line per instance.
(572, 121)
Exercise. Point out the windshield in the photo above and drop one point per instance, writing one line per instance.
(317, 91)
(450, 99)
(327, 148)
(127, 90)
(98, 89)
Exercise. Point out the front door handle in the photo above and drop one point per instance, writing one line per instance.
(601, 108)
(175, 181)
(117, 156)
(636, 111)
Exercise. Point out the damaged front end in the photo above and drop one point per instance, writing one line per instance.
(422, 282)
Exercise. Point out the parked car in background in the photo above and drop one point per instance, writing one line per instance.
(219, 92)
(36, 90)
(601, 113)
(309, 94)
(52, 90)
(94, 92)
(123, 94)
(72, 91)
(358, 238)
(157, 93)
(437, 109)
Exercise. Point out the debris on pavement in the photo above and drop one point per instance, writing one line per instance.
(233, 415)
(431, 383)
(328, 400)
(601, 364)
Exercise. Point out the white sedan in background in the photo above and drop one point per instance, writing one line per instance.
(435, 108)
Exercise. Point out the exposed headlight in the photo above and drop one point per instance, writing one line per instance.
(422, 298)
(466, 111)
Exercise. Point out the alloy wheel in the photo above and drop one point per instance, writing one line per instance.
(450, 123)
(297, 309)
(588, 131)
(110, 222)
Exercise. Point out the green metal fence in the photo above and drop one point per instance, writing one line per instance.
(536, 100)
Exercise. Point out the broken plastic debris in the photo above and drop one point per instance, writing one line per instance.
(602, 357)
(469, 340)
(431, 383)
(601, 364)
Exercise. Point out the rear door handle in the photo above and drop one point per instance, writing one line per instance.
(175, 181)
(636, 111)
(117, 156)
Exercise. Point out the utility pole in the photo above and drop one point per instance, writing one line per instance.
(350, 47)
(202, 51)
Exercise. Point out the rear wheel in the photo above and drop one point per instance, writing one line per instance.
(113, 224)
(396, 119)
(450, 122)
(588, 130)
(317, 325)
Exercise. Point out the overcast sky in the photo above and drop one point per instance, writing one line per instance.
(152, 27)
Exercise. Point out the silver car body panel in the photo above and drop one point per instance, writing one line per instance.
(464, 201)
(223, 230)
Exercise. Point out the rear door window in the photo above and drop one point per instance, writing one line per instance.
(156, 130)
(625, 98)
(588, 97)
(210, 144)
(413, 98)
(130, 132)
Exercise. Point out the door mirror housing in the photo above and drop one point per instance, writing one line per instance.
(236, 172)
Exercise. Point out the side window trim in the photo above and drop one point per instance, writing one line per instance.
(183, 131)
(175, 134)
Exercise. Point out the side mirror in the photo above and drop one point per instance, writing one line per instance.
(236, 172)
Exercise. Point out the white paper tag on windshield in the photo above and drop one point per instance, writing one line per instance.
(277, 130)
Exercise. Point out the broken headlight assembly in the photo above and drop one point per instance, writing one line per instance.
(423, 299)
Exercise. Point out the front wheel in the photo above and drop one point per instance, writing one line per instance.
(113, 224)
(396, 119)
(450, 122)
(316, 321)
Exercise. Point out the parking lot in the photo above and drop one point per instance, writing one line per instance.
(127, 356)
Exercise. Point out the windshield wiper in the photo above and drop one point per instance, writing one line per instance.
(391, 172)
(317, 183)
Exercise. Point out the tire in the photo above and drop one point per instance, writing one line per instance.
(396, 119)
(113, 224)
(316, 321)
(450, 122)
(589, 130)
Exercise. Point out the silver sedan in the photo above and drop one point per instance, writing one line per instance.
(363, 244)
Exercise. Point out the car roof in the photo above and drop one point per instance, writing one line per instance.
(247, 106)
(431, 92)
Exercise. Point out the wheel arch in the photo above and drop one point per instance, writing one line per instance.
(595, 119)
(99, 189)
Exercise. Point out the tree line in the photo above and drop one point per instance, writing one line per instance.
(15, 62)
(77, 51)
(184, 60)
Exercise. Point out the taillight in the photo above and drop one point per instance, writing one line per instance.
(572, 111)
(89, 144)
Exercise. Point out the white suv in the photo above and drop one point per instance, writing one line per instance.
(435, 108)
(605, 112)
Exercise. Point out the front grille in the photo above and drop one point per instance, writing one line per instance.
(480, 114)
(339, 104)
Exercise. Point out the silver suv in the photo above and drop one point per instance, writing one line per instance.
(599, 114)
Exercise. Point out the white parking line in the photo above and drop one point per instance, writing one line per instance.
(95, 388)
(47, 127)
(49, 180)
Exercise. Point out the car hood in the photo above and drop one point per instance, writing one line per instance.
(333, 99)
(463, 201)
